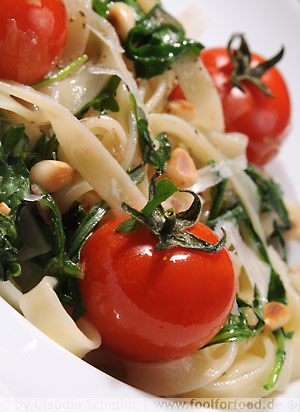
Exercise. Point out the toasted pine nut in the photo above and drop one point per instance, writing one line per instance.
(276, 315)
(181, 168)
(51, 175)
(122, 18)
(181, 108)
(4, 209)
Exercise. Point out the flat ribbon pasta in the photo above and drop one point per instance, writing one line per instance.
(43, 309)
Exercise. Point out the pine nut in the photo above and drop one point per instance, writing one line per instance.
(4, 209)
(181, 168)
(181, 108)
(51, 175)
(276, 314)
(122, 18)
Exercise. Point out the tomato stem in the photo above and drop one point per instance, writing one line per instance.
(242, 69)
(169, 227)
(170, 222)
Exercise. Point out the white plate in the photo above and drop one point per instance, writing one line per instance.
(34, 367)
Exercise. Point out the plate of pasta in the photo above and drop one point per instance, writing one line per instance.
(149, 201)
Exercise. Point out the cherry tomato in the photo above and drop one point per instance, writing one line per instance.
(264, 119)
(33, 34)
(151, 305)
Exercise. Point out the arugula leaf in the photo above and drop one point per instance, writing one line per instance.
(57, 263)
(156, 41)
(14, 185)
(280, 336)
(15, 158)
(83, 231)
(217, 193)
(69, 293)
(276, 289)
(9, 246)
(271, 197)
(45, 149)
(278, 234)
(137, 175)
(157, 158)
(101, 7)
(105, 99)
(237, 327)
(237, 213)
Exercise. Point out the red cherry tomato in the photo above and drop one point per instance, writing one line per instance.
(265, 120)
(33, 34)
(151, 305)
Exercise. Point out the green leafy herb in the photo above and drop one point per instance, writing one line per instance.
(45, 149)
(4, 117)
(105, 99)
(280, 336)
(276, 289)
(169, 227)
(101, 7)
(85, 228)
(69, 293)
(137, 175)
(9, 246)
(156, 41)
(14, 186)
(278, 234)
(60, 261)
(237, 214)
(271, 197)
(218, 193)
(61, 74)
(237, 327)
(57, 263)
(157, 158)
(15, 175)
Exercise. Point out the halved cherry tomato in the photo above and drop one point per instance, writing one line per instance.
(33, 34)
(152, 305)
(265, 120)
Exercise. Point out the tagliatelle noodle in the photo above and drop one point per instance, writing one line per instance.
(199, 90)
(230, 144)
(43, 309)
(247, 374)
(11, 294)
(72, 192)
(177, 376)
(84, 151)
(257, 271)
